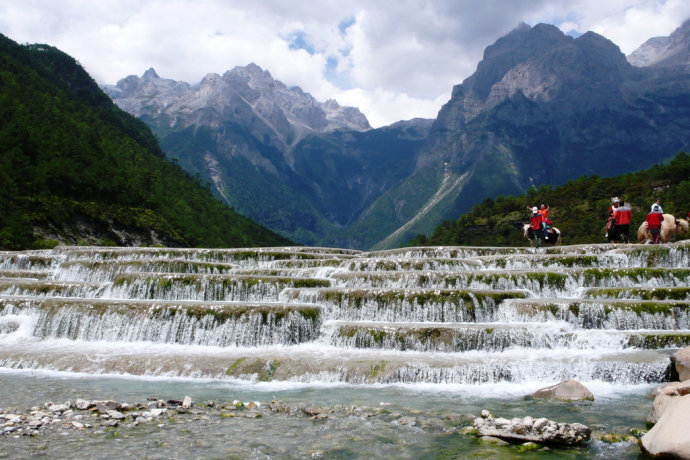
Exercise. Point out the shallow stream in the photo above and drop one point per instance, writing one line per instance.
(438, 411)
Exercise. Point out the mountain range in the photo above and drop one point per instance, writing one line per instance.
(542, 108)
(76, 169)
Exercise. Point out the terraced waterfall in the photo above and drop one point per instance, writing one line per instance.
(436, 317)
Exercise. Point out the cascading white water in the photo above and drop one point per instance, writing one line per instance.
(417, 315)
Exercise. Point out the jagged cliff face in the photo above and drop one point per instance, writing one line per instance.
(304, 168)
(673, 50)
(244, 95)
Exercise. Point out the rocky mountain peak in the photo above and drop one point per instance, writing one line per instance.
(537, 63)
(253, 75)
(673, 50)
(150, 74)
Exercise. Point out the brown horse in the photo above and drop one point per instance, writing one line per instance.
(554, 236)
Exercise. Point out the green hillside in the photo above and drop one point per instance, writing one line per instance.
(579, 208)
(75, 168)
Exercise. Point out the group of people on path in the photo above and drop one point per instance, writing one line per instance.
(617, 227)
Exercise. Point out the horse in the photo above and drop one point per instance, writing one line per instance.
(553, 240)
(668, 228)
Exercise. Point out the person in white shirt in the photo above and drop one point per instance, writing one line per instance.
(657, 203)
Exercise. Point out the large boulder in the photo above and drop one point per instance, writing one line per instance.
(669, 437)
(568, 390)
(527, 429)
(665, 396)
(681, 361)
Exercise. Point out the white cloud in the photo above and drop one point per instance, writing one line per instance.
(384, 107)
(398, 59)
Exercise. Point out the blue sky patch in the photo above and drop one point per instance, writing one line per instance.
(297, 40)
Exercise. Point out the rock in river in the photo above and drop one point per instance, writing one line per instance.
(569, 390)
(541, 430)
(669, 437)
(681, 361)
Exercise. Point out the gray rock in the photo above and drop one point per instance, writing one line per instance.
(669, 437)
(104, 406)
(542, 431)
(569, 390)
(664, 396)
(82, 404)
(681, 361)
(115, 415)
(58, 407)
(494, 440)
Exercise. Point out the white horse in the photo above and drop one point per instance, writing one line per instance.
(669, 226)
(554, 236)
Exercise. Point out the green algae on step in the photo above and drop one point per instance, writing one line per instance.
(218, 311)
(214, 255)
(643, 293)
(46, 287)
(26, 274)
(607, 313)
(405, 305)
(491, 337)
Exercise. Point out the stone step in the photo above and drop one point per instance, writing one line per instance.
(310, 263)
(640, 292)
(177, 286)
(27, 274)
(107, 270)
(601, 313)
(540, 282)
(445, 252)
(505, 262)
(317, 362)
(458, 337)
(372, 304)
(49, 288)
(239, 255)
(27, 260)
(182, 322)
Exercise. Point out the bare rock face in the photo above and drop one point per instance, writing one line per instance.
(669, 437)
(569, 390)
(664, 51)
(666, 396)
(681, 361)
(527, 429)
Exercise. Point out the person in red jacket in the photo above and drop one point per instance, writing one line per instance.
(546, 222)
(623, 214)
(537, 219)
(654, 220)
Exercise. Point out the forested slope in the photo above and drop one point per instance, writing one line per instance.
(74, 168)
(579, 208)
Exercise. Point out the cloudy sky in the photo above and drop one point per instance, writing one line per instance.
(394, 59)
